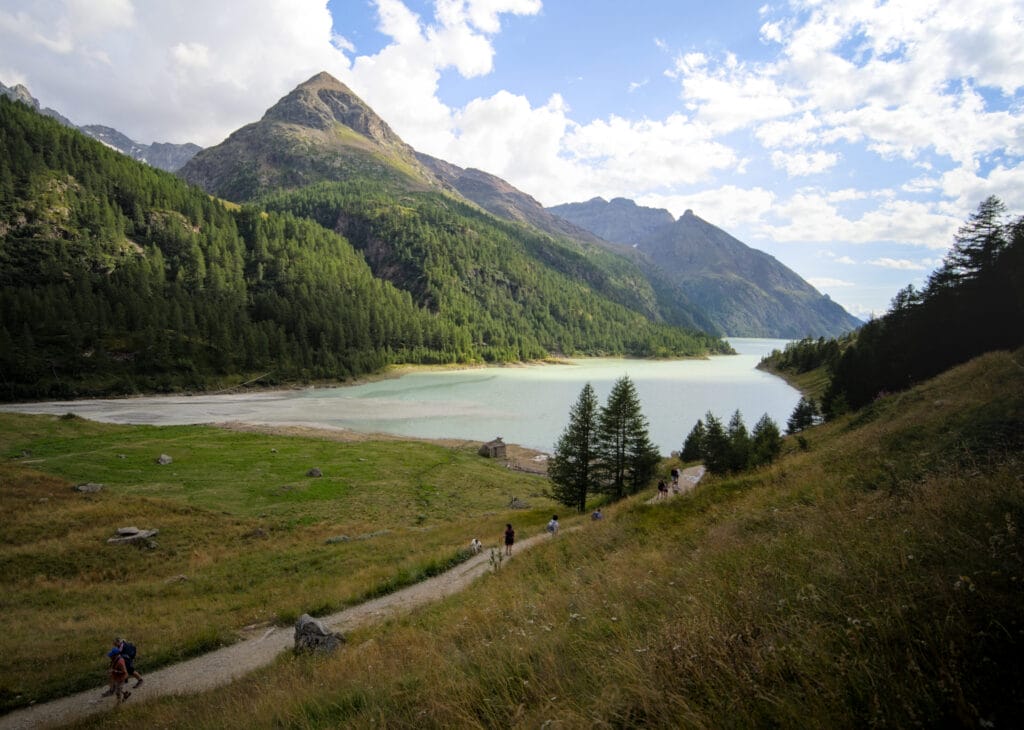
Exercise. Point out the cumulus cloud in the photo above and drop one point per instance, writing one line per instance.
(191, 70)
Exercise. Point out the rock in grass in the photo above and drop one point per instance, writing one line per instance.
(88, 487)
(314, 472)
(311, 636)
(164, 459)
(133, 534)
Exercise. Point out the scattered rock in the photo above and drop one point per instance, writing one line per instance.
(516, 503)
(177, 579)
(336, 539)
(164, 459)
(311, 636)
(88, 487)
(127, 535)
(121, 456)
(273, 451)
(314, 472)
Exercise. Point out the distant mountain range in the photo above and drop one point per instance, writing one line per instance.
(695, 274)
(745, 292)
(163, 155)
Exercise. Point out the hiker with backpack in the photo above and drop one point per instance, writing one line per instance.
(128, 651)
(123, 652)
(118, 676)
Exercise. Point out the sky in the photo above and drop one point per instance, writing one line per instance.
(848, 139)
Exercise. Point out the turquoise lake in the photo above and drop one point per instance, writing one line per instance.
(527, 405)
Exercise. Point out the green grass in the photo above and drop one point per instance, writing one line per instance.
(875, 579)
(245, 537)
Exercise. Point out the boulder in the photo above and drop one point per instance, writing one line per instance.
(88, 487)
(311, 636)
(314, 472)
(164, 459)
(133, 534)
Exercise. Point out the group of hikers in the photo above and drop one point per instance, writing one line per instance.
(122, 667)
(665, 489)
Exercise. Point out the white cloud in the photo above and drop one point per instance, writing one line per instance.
(901, 264)
(825, 282)
(191, 70)
(800, 164)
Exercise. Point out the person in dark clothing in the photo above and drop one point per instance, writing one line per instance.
(510, 538)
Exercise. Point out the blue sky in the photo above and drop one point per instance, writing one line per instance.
(849, 139)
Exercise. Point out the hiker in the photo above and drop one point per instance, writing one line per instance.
(510, 538)
(662, 489)
(128, 651)
(597, 514)
(118, 676)
(675, 476)
(553, 525)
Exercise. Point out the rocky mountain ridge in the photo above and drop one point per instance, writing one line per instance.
(164, 155)
(744, 291)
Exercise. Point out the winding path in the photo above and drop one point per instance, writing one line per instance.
(222, 666)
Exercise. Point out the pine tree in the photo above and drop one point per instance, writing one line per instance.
(571, 467)
(766, 441)
(716, 445)
(628, 458)
(739, 443)
(693, 447)
(804, 415)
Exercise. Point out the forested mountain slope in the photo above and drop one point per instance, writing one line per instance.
(323, 133)
(519, 292)
(117, 277)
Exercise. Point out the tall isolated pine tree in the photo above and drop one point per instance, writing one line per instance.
(571, 467)
(628, 459)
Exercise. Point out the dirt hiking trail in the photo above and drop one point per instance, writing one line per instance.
(222, 666)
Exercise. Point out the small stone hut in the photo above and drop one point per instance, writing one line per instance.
(493, 449)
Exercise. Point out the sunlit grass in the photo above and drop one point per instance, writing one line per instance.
(809, 594)
(245, 537)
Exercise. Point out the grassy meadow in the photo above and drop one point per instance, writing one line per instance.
(245, 539)
(871, 580)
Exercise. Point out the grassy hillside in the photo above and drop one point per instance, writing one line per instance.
(874, 579)
(246, 539)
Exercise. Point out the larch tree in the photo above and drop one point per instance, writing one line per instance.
(572, 465)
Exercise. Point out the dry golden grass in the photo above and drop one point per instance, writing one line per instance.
(874, 580)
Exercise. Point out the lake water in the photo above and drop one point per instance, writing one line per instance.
(527, 405)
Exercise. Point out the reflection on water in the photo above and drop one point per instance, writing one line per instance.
(527, 405)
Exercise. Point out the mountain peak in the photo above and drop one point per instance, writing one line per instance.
(322, 102)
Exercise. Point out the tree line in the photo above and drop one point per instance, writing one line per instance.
(971, 304)
(606, 450)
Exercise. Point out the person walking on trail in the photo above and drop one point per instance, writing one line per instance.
(128, 652)
(597, 514)
(510, 538)
(118, 676)
(662, 489)
(553, 525)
